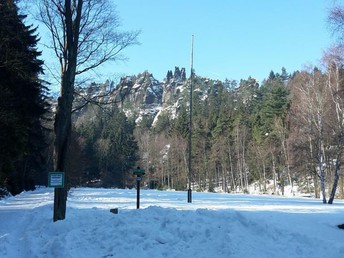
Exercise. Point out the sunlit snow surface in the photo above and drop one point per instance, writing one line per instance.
(213, 225)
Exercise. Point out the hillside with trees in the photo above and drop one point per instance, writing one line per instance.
(271, 135)
(279, 136)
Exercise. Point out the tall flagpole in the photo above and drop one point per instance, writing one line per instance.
(190, 125)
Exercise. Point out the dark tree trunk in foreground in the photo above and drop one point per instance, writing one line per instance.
(63, 118)
(62, 134)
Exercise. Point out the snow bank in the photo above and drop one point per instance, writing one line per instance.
(214, 225)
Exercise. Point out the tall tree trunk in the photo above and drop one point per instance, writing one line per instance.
(62, 135)
(322, 178)
(63, 118)
(239, 160)
(316, 184)
(341, 183)
(225, 177)
(245, 169)
(232, 181)
(314, 173)
(274, 172)
(335, 181)
(62, 127)
(264, 176)
(287, 166)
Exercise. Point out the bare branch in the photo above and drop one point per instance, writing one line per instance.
(92, 25)
(336, 21)
(109, 97)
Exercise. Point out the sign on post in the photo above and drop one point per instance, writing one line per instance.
(56, 179)
(138, 172)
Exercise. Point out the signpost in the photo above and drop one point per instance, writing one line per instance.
(56, 179)
(138, 172)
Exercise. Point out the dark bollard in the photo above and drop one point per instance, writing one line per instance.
(138, 180)
(189, 195)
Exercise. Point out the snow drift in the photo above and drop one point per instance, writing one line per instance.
(214, 225)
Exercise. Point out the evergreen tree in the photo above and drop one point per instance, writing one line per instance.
(162, 124)
(110, 146)
(180, 125)
(22, 102)
(271, 102)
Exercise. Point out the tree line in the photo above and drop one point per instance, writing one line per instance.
(286, 131)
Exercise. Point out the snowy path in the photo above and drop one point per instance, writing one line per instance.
(214, 225)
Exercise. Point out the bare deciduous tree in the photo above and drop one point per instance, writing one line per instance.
(333, 60)
(84, 36)
(311, 91)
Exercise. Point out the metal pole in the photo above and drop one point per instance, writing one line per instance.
(190, 125)
(138, 181)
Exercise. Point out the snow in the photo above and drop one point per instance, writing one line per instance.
(136, 86)
(213, 225)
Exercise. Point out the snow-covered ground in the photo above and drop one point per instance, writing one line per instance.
(212, 226)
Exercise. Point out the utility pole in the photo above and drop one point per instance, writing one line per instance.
(190, 125)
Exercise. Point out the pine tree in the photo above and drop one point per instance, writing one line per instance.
(120, 154)
(109, 146)
(180, 126)
(22, 102)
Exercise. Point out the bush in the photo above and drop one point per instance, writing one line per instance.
(3, 193)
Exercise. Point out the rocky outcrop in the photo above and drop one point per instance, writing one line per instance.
(146, 90)
(143, 95)
(173, 85)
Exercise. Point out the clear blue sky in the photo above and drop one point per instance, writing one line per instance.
(232, 39)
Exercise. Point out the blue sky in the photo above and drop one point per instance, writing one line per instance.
(232, 39)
